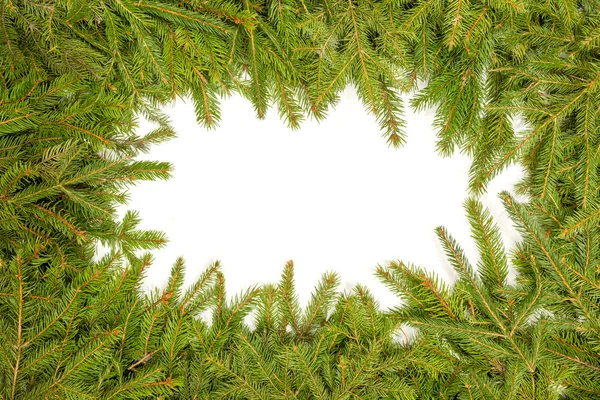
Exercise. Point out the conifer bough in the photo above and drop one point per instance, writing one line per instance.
(76, 74)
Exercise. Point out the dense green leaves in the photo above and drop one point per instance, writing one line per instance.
(487, 324)
(75, 76)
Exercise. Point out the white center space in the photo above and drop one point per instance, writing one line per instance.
(329, 196)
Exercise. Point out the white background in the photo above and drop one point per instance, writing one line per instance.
(329, 196)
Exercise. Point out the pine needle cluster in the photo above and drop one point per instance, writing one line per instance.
(75, 77)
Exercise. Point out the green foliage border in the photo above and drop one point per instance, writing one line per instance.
(76, 74)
